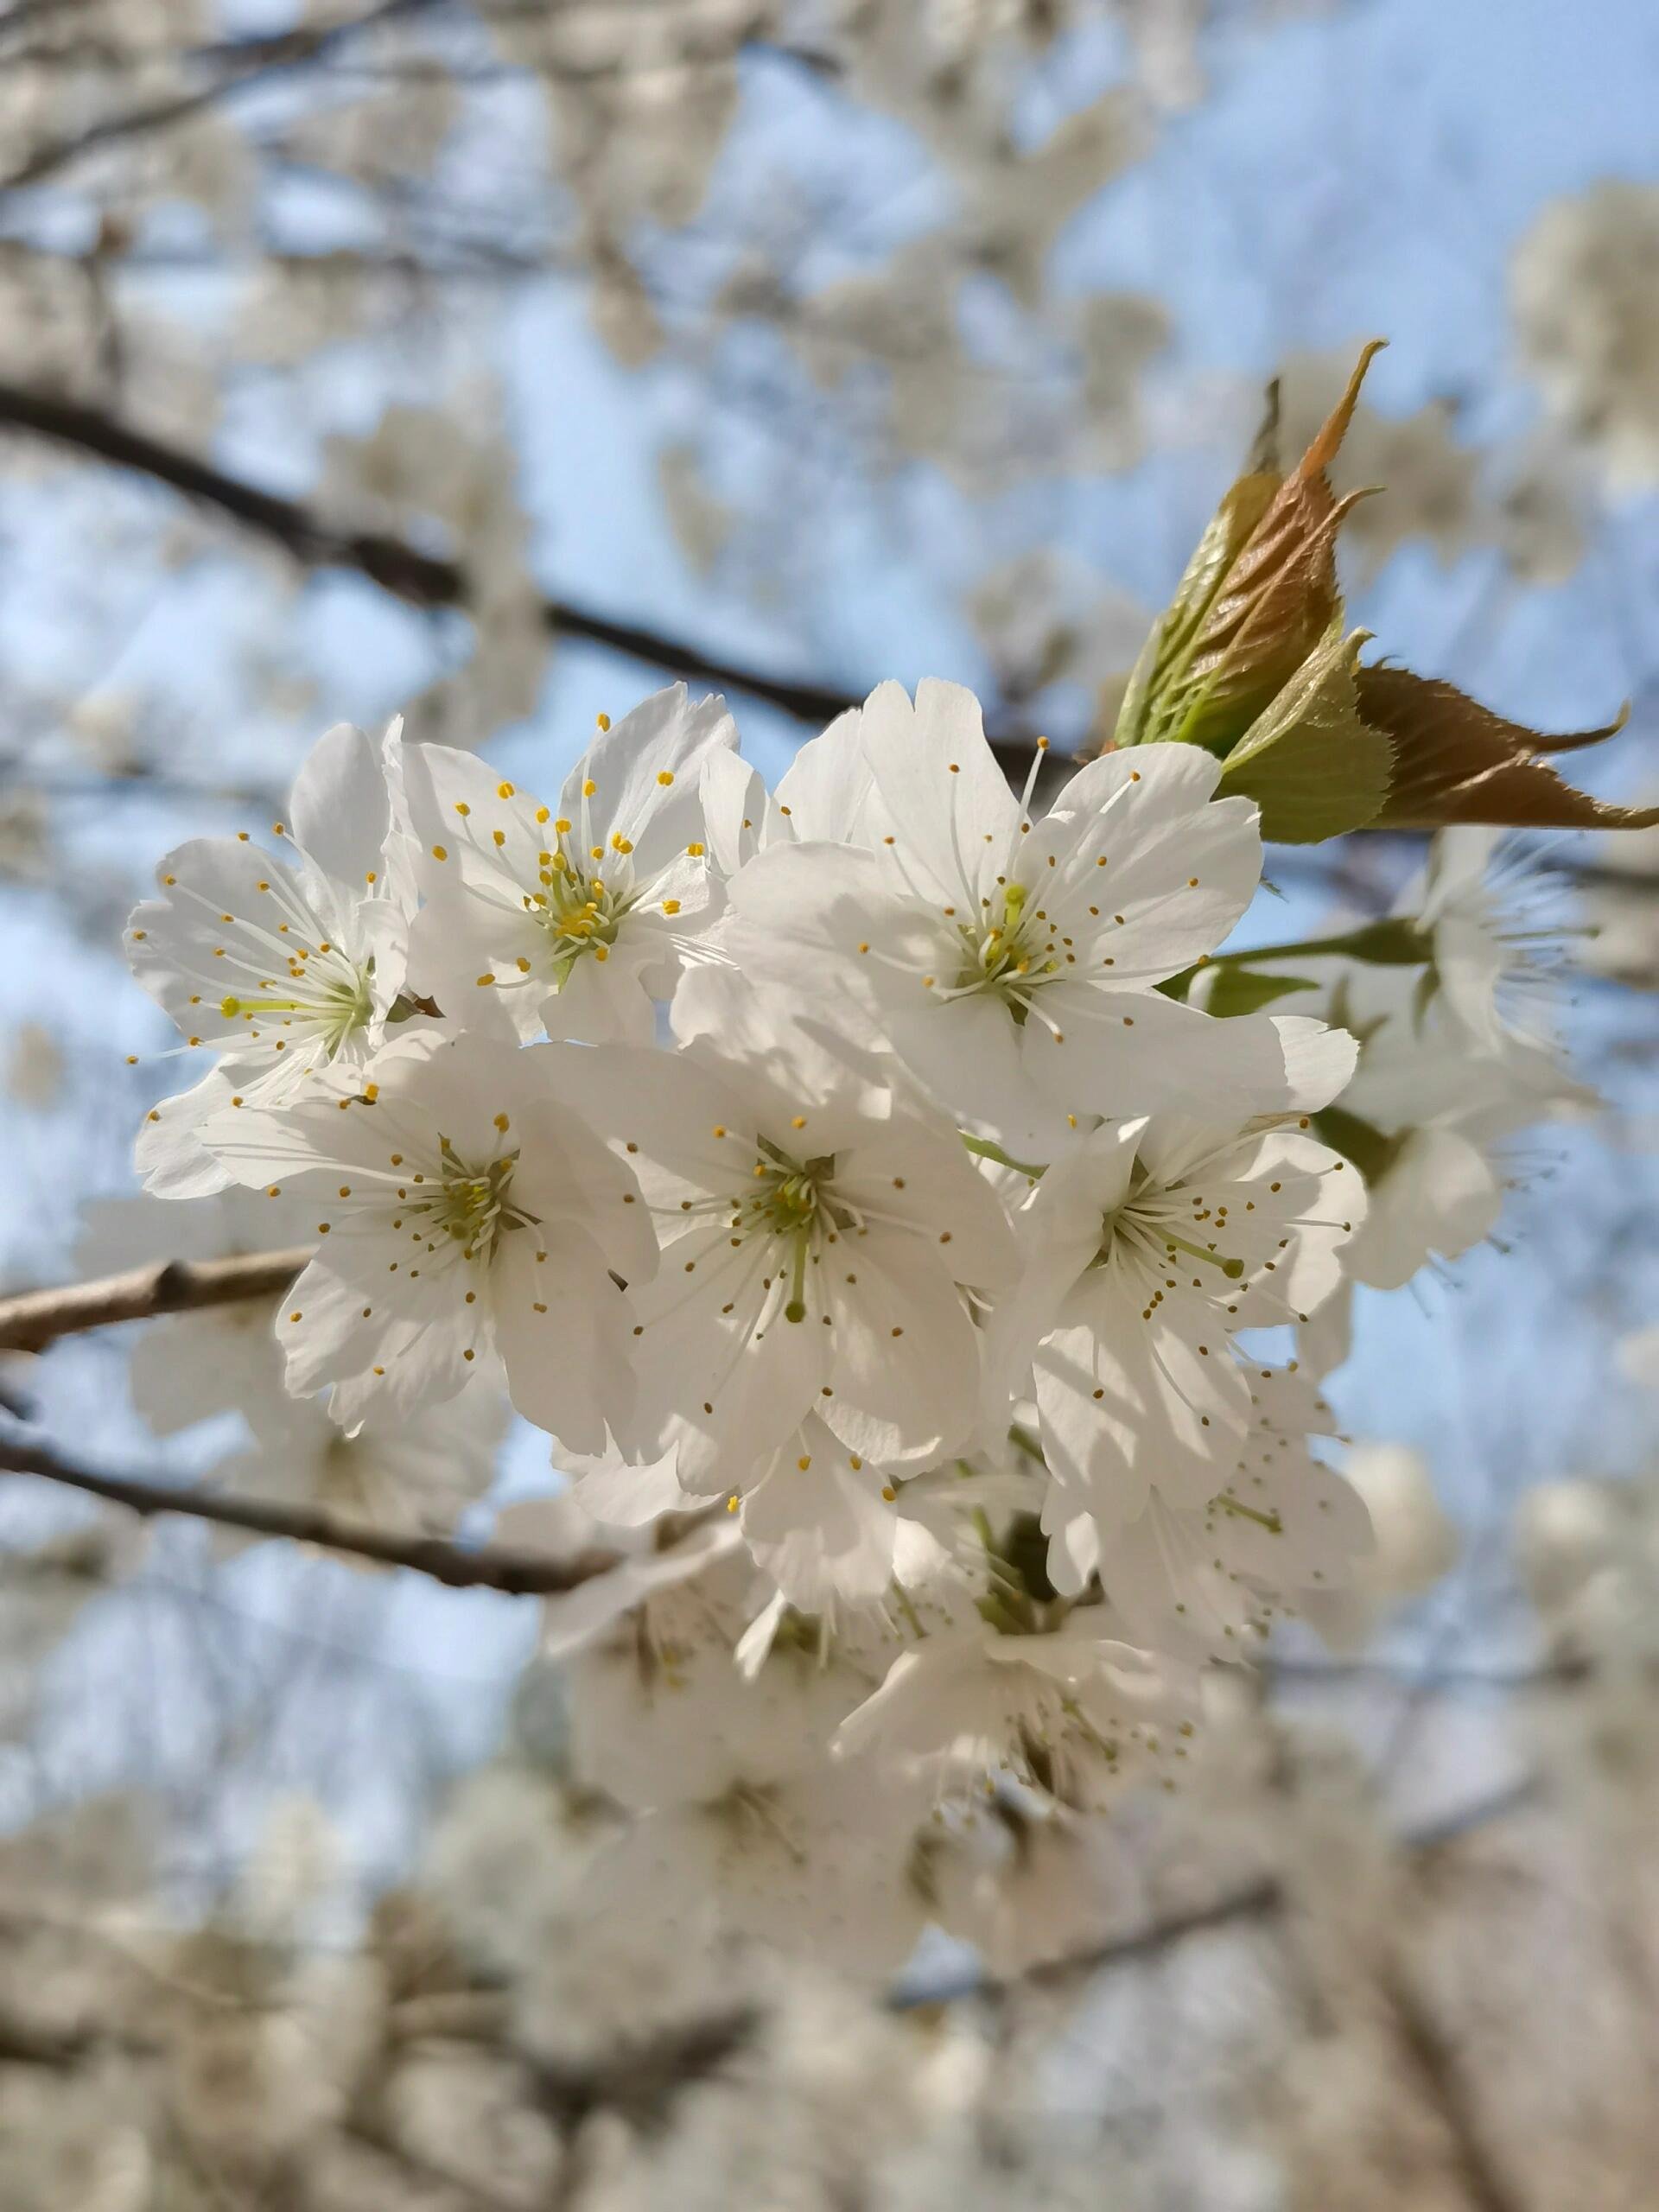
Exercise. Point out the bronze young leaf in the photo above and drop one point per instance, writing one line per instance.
(1455, 760)
(1258, 596)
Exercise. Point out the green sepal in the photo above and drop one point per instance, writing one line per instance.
(1311, 762)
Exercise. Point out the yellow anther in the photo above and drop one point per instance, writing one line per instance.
(371, 1091)
(562, 826)
(504, 791)
(731, 1502)
(589, 788)
(805, 1461)
(461, 807)
(670, 905)
(503, 1123)
(888, 1492)
(371, 877)
(500, 836)
(665, 777)
(524, 965)
(484, 980)
(541, 814)
(798, 1122)
(696, 851)
(440, 852)
(277, 830)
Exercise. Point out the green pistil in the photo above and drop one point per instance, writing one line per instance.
(338, 1009)
(1270, 1522)
(1231, 1268)
(796, 1309)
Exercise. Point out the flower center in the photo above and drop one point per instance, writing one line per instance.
(1157, 1228)
(471, 1206)
(334, 999)
(580, 908)
(1012, 951)
(788, 1201)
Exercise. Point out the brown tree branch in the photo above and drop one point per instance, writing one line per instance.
(518, 1574)
(1431, 2058)
(244, 63)
(34, 1318)
(418, 578)
(1257, 1900)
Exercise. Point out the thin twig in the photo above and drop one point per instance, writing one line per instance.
(488, 1567)
(35, 1319)
(420, 579)
(1433, 2058)
(1256, 1900)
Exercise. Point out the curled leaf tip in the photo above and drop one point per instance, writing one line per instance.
(1569, 740)
(1324, 449)
(1263, 457)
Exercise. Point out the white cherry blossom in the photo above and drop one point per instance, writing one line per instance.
(1428, 1119)
(1497, 935)
(279, 967)
(464, 1210)
(1283, 1530)
(1073, 1711)
(1012, 961)
(417, 1474)
(1147, 1250)
(818, 1230)
(576, 916)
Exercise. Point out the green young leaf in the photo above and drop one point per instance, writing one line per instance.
(1167, 651)
(1258, 595)
(1312, 763)
(1247, 990)
(1455, 760)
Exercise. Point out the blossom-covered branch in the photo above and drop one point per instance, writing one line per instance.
(518, 1574)
(34, 1318)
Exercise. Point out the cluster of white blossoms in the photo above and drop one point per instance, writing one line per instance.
(848, 1180)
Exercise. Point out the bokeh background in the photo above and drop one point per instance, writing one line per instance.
(496, 363)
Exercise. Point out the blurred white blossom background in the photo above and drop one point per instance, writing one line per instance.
(495, 361)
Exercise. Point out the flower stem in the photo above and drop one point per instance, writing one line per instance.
(984, 1148)
(1393, 943)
